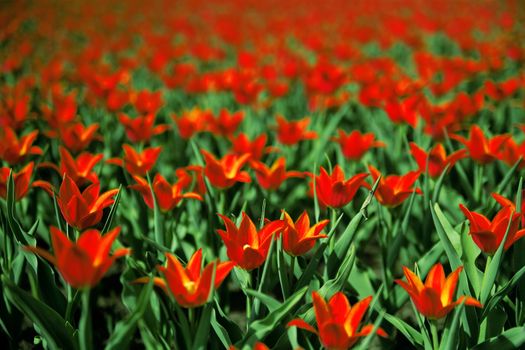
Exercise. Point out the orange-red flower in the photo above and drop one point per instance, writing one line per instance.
(80, 170)
(14, 149)
(190, 286)
(80, 209)
(146, 102)
(192, 122)
(437, 158)
(488, 234)
(246, 246)
(191, 174)
(226, 123)
(291, 132)
(241, 144)
(338, 321)
(84, 263)
(482, 149)
(271, 178)
(299, 237)
(21, 180)
(225, 172)
(394, 189)
(167, 195)
(333, 190)
(355, 144)
(77, 137)
(434, 298)
(141, 128)
(137, 163)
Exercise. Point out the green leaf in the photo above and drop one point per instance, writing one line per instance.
(449, 340)
(449, 237)
(57, 332)
(407, 330)
(343, 243)
(260, 328)
(502, 292)
(124, 330)
(112, 212)
(439, 184)
(221, 332)
(511, 339)
(271, 303)
(202, 335)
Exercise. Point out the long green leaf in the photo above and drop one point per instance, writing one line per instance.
(57, 332)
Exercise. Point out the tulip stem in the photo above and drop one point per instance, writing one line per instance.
(71, 302)
(434, 332)
(478, 182)
(333, 220)
(292, 267)
(85, 326)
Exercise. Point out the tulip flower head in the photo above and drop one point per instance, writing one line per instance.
(299, 237)
(21, 180)
(271, 178)
(225, 172)
(291, 132)
(338, 321)
(394, 189)
(354, 145)
(80, 209)
(488, 234)
(246, 246)
(77, 137)
(191, 285)
(480, 148)
(434, 298)
(84, 263)
(13, 149)
(79, 169)
(137, 163)
(436, 159)
(333, 190)
(167, 195)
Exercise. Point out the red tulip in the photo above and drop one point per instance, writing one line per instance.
(76, 137)
(246, 246)
(338, 321)
(333, 190)
(488, 234)
(84, 263)
(291, 132)
(147, 102)
(394, 189)
(192, 122)
(13, 149)
(272, 178)
(167, 195)
(480, 148)
(141, 128)
(21, 180)
(225, 172)
(298, 237)
(256, 148)
(137, 163)
(226, 123)
(80, 209)
(355, 144)
(80, 170)
(434, 298)
(437, 158)
(191, 286)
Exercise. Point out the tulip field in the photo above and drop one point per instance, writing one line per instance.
(242, 174)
